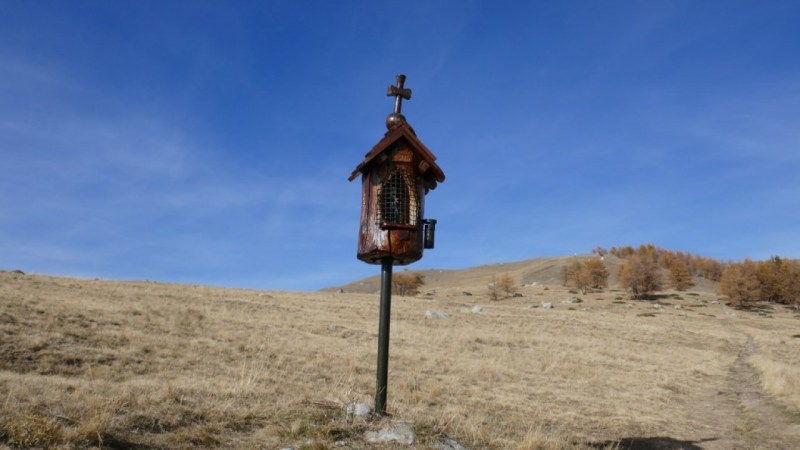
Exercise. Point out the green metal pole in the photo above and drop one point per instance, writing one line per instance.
(383, 336)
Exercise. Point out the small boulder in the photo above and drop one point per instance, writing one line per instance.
(436, 314)
(447, 443)
(547, 305)
(475, 309)
(358, 411)
(400, 433)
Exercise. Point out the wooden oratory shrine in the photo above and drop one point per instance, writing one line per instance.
(395, 177)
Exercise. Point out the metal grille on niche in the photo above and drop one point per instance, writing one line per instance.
(397, 201)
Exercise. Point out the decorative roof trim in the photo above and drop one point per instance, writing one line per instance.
(393, 135)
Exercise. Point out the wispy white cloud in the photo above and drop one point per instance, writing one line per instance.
(137, 195)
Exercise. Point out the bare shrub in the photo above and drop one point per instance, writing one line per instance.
(679, 274)
(740, 284)
(501, 287)
(507, 285)
(640, 275)
(597, 273)
(407, 283)
(585, 275)
(790, 281)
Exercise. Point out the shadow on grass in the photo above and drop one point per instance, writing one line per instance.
(654, 297)
(651, 443)
(114, 443)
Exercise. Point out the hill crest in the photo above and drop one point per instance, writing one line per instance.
(543, 270)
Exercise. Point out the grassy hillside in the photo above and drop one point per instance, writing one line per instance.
(91, 364)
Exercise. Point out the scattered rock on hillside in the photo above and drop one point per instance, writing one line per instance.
(517, 295)
(475, 309)
(447, 443)
(400, 433)
(547, 305)
(436, 314)
(466, 294)
(572, 300)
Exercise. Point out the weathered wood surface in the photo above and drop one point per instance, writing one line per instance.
(378, 240)
(400, 149)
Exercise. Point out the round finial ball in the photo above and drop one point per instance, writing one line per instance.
(394, 119)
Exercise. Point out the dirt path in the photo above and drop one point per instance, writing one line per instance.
(744, 415)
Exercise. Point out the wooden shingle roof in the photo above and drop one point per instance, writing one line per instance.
(432, 172)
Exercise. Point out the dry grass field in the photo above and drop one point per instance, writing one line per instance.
(140, 365)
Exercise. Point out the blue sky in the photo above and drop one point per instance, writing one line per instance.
(210, 142)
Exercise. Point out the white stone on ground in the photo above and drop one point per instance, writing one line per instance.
(358, 410)
(400, 433)
(448, 444)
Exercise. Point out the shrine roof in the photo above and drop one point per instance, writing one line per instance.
(401, 131)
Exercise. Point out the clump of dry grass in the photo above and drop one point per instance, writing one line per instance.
(779, 379)
(42, 423)
(27, 430)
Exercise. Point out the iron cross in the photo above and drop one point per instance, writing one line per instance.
(399, 93)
